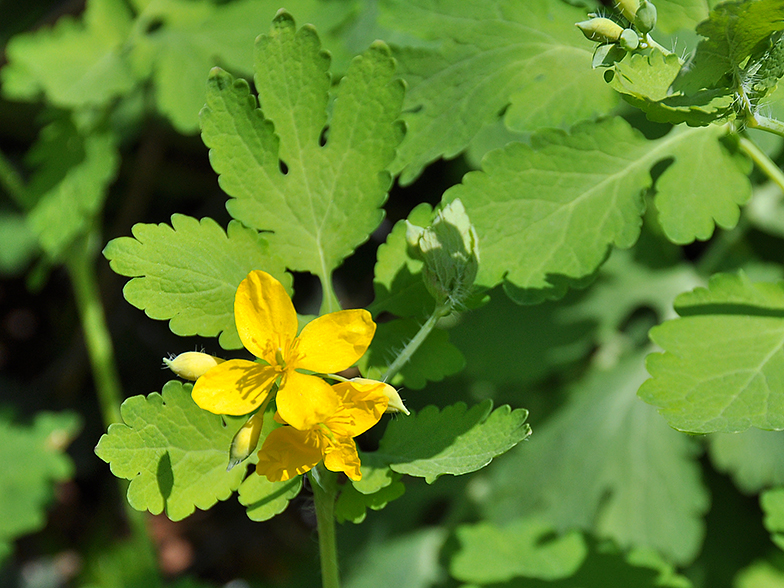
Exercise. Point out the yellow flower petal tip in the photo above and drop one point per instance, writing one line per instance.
(395, 403)
(191, 365)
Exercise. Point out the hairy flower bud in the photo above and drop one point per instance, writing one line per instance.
(192, 364)
(628, 8)
(449, 248)
(645, 19)
(395, 402)
(600, 29)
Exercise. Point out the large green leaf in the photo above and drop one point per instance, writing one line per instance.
(494, 57)
(607, 463)
(723, 365)
(174, 453)
(264, 499)
(453, 441)
(33, 459)
(189, 272)
(319, 201)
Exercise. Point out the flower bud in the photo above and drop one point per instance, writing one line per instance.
(629, 40)
(245, 440)
(449, 248)
(645, 19)
(628, 8)
(395, 402)
(600, 29)
(192, 364)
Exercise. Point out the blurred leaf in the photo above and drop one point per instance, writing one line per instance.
(265, 499)
(499, 56)
(524, 547)
(760, 574)
(174, 453)
(69, 186)
(327, 201)
(606, 462)
(352, 505)
(76, 62)
(772, 502)
(434, 360)
(33, 459)
(189, 273)
(754, 458)
(409, 561)
(723, 365)
(454, 440)
(18, 243)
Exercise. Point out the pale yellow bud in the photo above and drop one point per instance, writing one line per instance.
(395, 403)
(192, 364)
(245, 440)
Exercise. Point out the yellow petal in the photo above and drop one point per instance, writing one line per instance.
(304, 401)
(191, 365)
(234, 387)
(335, 341)
(361, 405)
(341, 456)
(265, 317)
(288, 452)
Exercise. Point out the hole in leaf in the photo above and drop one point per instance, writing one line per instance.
(153, 25)
(284, 169)
(324, 135)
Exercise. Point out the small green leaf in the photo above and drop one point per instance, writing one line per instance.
(434, 360)
(723, 365)
(189, 272)
(524, 547)
(772, 502)
(319, 201)
(18, 243)
(453, 441)
(174, 453)
(265, 499)
(494, 57)
(754, 458)
(352, 505)
(33, 459)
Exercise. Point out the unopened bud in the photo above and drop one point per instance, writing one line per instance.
(629, 40)
(600, 29)
(645, 19)
(395, 402)
(245, 440)
(449, 248)
(628, 8)
(192, 364)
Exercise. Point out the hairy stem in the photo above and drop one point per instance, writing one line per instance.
(762, 161)
(324, 484)
(413, 345)
(771, 125)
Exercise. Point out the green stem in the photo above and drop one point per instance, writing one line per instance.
(762, 161)
(764, 123)
(12, 182)
(413, 345)
(329, 302)
(325, 489)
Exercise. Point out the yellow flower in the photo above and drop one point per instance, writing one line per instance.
(267, 325)
(288, 452)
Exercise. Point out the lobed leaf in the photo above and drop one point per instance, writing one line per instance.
(502, 56)
(606, 463)
(320, 201)
(174, 453)
(265, 499)
(723, 365)
(188, 273)
(754, 458)
(453, 441)
(352, 504)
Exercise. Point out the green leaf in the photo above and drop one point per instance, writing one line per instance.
(434, 360)
(760, 574)
(18, 243)
(174, 453)
(397, 278)
(75, 63)
(723, 365)
(189, 272)
(524, 547)
(675, 15)
(70, 183)
(409, 560)
(606, 463)
(327, 203)
(33, 459)
(265, 499)
(453, 441)
(754, 458)
(497, 56)
(352, 504)
(772, 502)
(375, 474)
(733, 32)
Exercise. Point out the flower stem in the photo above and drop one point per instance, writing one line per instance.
(764, 123)
(762, 161)
(413, 345)
(325, 489)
